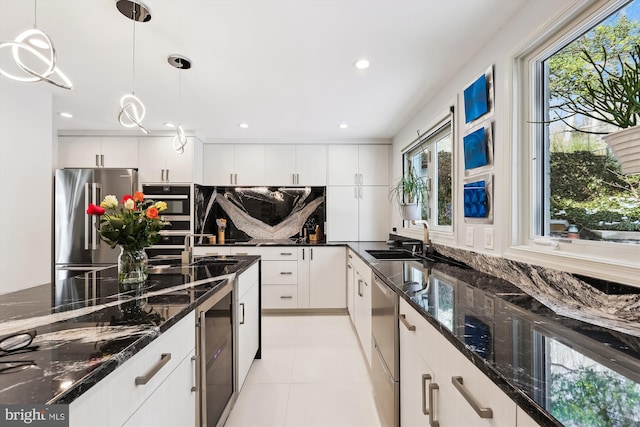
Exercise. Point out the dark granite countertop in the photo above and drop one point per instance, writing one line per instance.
(87, 325)
(559, 370)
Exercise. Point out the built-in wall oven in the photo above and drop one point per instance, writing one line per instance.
(178, 213)
(215, 357)
(385, 362)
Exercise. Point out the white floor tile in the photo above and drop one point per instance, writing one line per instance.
(260, 405)
(312, 373)
(325, 405)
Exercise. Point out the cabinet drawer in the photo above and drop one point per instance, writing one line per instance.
(280, 272)
(247, 280)
(280, 296)
(117, 396)
(211, 250)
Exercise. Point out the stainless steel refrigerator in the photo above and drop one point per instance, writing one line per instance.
(76, 238)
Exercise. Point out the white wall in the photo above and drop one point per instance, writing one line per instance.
(25, 185)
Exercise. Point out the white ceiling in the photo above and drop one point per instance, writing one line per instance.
(283, 67)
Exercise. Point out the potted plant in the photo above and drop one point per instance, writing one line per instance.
(408, 192)
(612, 97)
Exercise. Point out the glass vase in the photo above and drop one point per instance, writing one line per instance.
(132, 266)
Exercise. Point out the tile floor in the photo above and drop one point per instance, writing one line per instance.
(312, 373)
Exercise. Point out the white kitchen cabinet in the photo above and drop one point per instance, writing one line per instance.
(524, 420)
(247, 321)
(280, 164)
(159, 162)
(211, 250)
(117, 397)
(351, 289)
(362, 306)
(445, 363)
(217, 164)
(170, 404)
(311, 165)
(327, 277)
(358, 165)
(97, 151)
(233, 164)
(357, 213)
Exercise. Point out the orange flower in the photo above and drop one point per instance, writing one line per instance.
(152, 213)
(138, 196)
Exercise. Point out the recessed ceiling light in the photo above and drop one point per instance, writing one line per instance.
(343, 125)
(169, 125)
(66, 115)
(361, 64)
(243, 125)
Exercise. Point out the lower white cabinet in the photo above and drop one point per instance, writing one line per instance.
(247, 320)
(475, 401)
(168, 406)
(327, 277)
(211, 250)
(117, 397)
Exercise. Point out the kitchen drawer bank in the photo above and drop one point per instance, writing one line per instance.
(95, 341)
(479, 341)
(296, 276)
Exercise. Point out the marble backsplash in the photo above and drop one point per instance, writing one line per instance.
(564, 293)
(258, 213)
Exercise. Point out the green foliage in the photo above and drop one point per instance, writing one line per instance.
(445, 215)
(598, 76)
(589, 190)
(410, 188)
(586, 397)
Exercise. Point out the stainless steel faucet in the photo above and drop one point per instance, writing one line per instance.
(187, 253)
(428, 247)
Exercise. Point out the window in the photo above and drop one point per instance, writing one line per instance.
(582, 192)
(431, 157)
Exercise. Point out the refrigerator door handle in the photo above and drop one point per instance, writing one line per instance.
(94, 229)
(87, 217)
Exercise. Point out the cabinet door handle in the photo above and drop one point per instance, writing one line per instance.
(425, 377)
(98, 160)
(355, 178)
(359, 192)
(286, 253)
(311, 256)
(235, 176)
(303, 254)
(194, 387)
(162, 175)
(349, 266)
(286, 297)
(355, 192)
(167, 174)
(360, 288)
(230, 178)
(409, 326)
(242, 253)
(286, 273)
(297, 178)
(102, 160)
(164, 359)
(432, 422)
(350, 257)
(482, 412)
(242, 321)
(361, 179)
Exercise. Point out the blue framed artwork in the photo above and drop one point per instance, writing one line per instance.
(475, 199)
(475, 99)
(475, 149)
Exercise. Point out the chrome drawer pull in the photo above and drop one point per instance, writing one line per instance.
(286, 272)
(425, 377)
(286, 297)
(482, 412)
(432, 422)
(164, 359)
(286, 253)
(242, 321)
(409, 326)
(194, 388)
(242, 253)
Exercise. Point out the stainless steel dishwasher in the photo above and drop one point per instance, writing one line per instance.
(385, 363)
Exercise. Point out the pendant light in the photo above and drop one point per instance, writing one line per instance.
(181, 63)
(33, 43)
(132, 109)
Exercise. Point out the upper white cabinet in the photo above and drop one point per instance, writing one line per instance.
(357, 213)
(265, 164)
(358, 165)
(97, 151)
(159, 162)
(233, 164)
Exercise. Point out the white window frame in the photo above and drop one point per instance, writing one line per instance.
(438, 233)
(605, 260)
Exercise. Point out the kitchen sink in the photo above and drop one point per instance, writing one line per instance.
(392, 254)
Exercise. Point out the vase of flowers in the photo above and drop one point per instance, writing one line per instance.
(133, 224)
